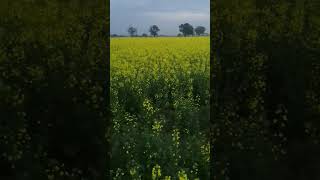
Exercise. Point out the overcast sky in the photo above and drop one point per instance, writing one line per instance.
(167, 14)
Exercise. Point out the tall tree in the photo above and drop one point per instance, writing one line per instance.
(154, 29)
(186, 29)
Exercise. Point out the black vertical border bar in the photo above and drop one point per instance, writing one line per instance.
(107, 90)
(213, 80)
(291, 101)
(52, 135)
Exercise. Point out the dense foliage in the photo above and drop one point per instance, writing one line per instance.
(160, 108)
(53, 84)
(265, 89)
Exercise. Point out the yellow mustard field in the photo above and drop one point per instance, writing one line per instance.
(160, 108)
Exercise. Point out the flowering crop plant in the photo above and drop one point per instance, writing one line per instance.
(160, 108)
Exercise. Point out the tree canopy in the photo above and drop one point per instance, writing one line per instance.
(154, 29)
(132, 31)
(186, 29)
(200, 30)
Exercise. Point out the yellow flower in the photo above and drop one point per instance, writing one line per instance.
(182, 175)
(156, 172)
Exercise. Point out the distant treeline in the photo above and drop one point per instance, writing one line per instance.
(185, 30)
(178, 35)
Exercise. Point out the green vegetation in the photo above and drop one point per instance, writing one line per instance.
(160, 108)
(53, 84)
(265, 89)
